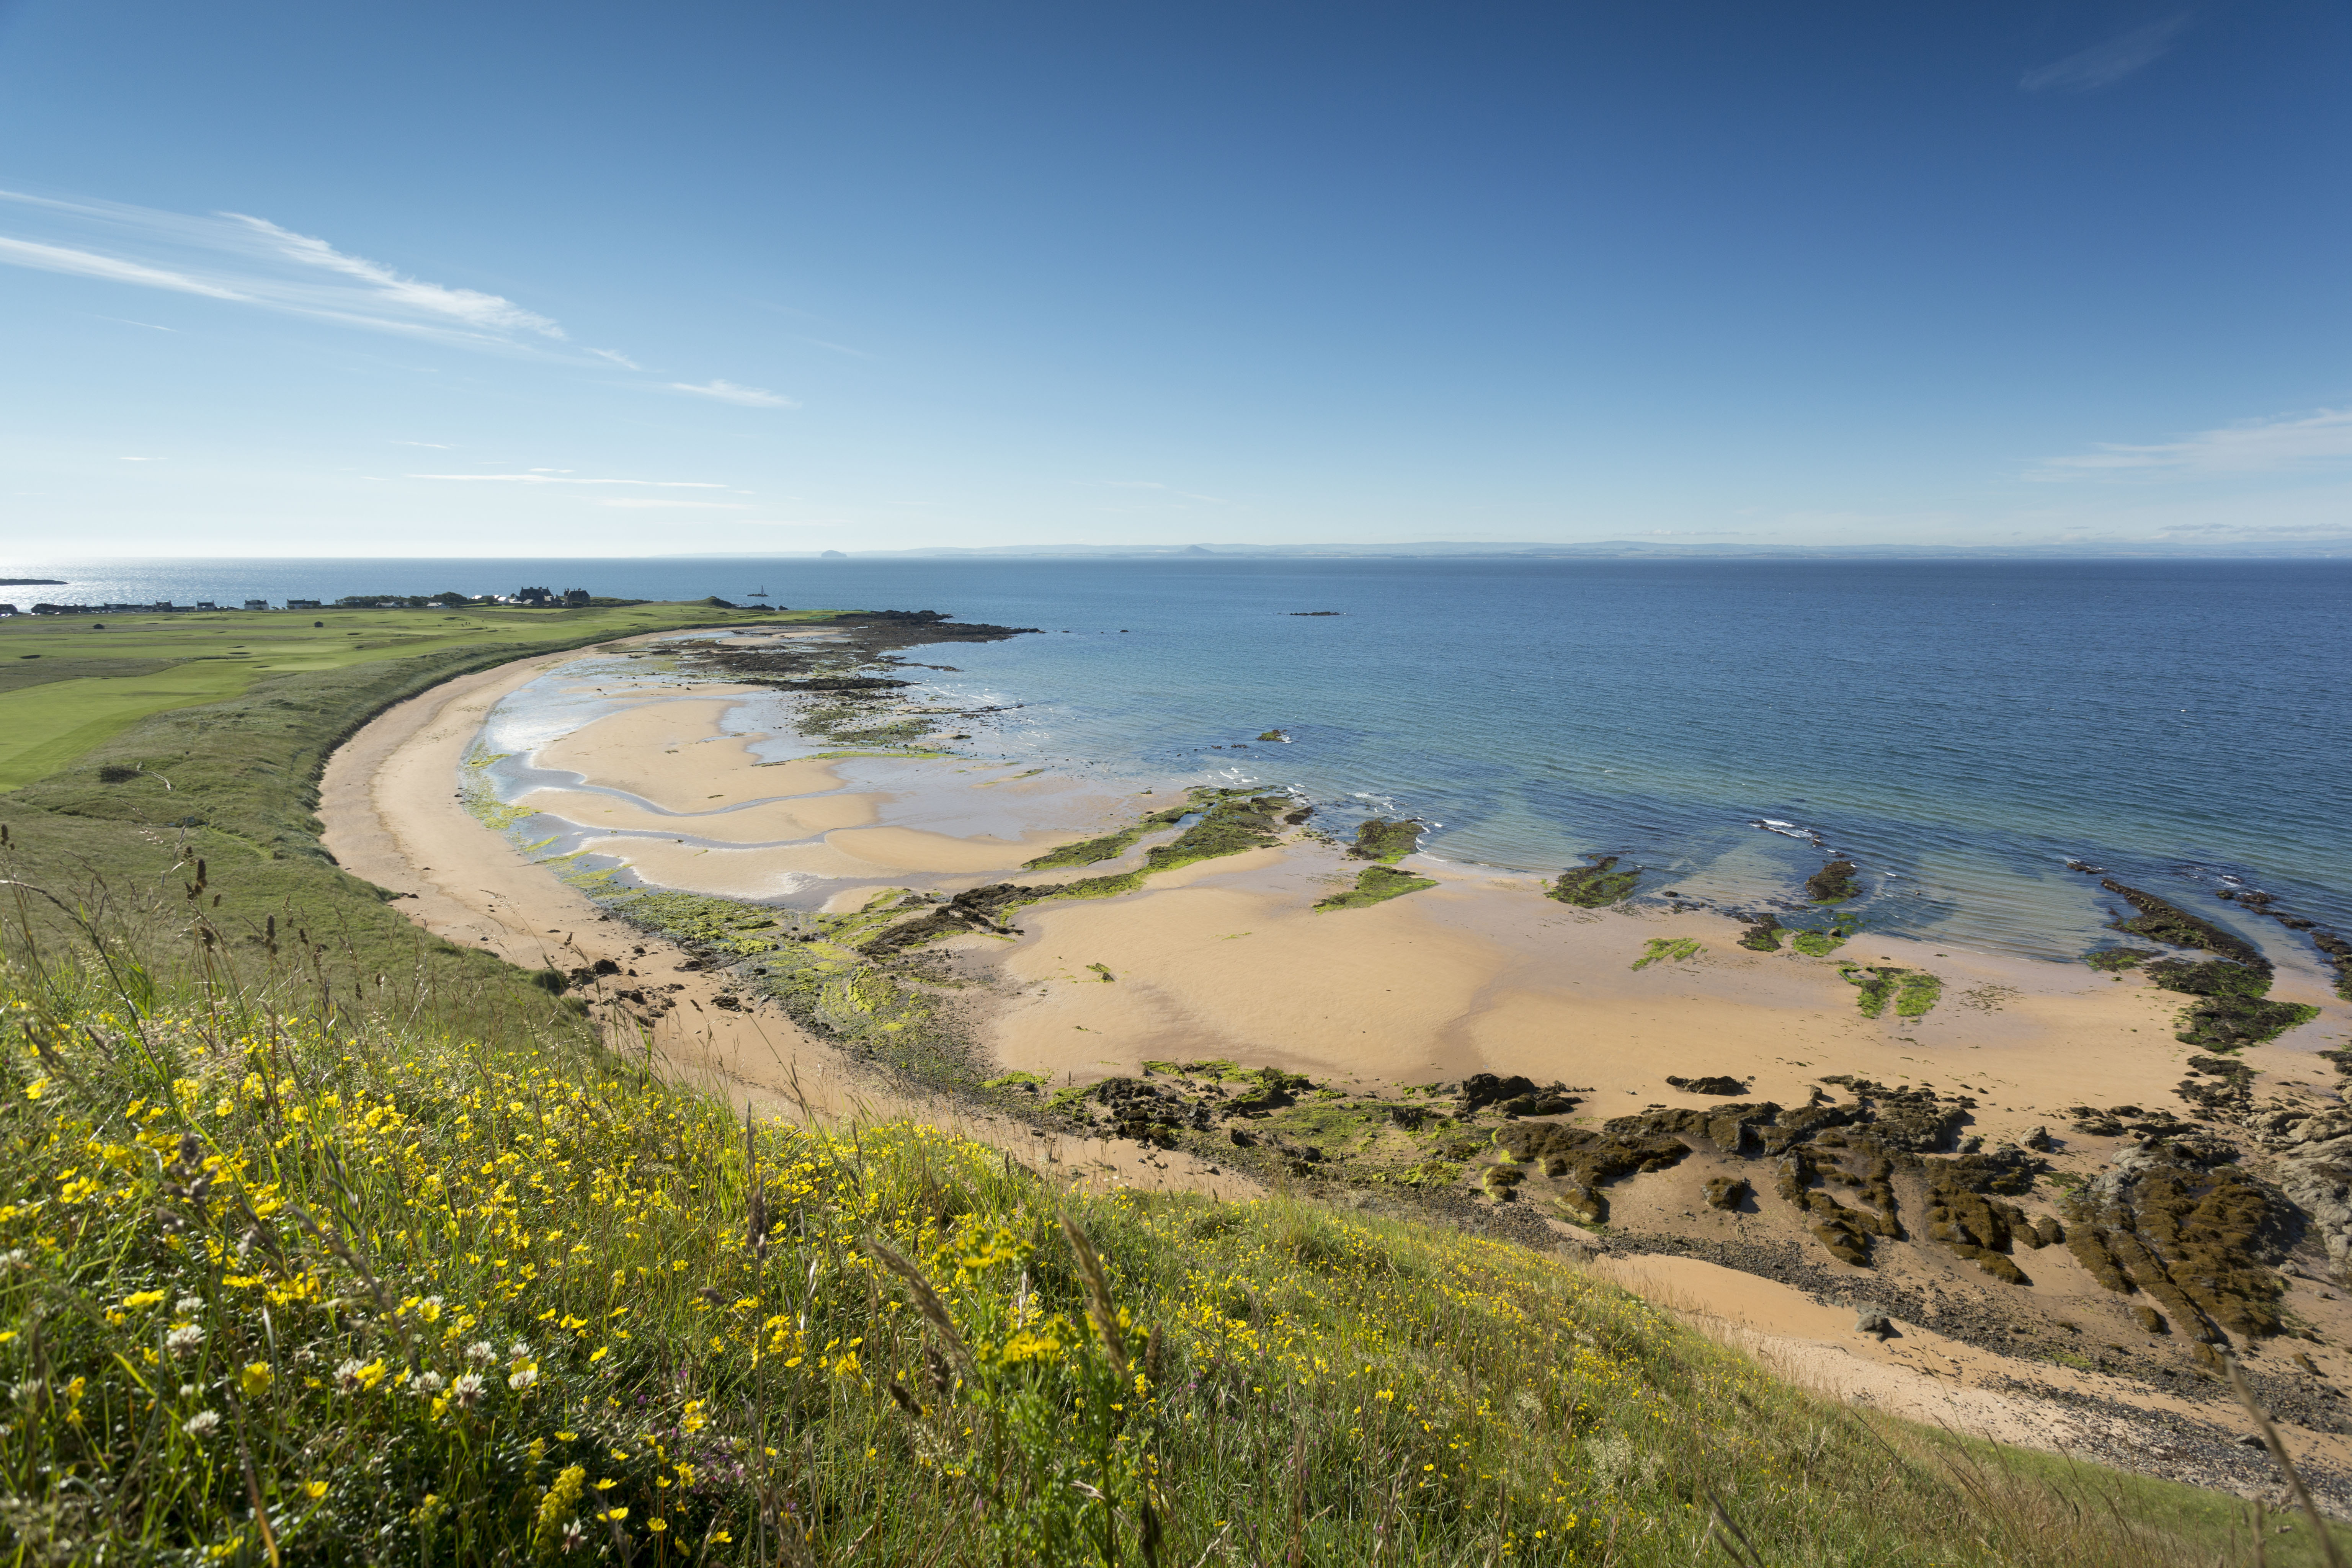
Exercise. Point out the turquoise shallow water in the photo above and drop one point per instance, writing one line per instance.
(1960, 730)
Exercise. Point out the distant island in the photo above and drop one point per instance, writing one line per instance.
(32, 582)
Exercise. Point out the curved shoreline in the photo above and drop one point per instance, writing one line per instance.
(392, 815)
(1227, 957)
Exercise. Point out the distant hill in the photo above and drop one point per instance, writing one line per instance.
(1612, 549)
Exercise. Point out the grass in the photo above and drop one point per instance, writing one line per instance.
(67, 690)
(286, 1290)
(220, 788)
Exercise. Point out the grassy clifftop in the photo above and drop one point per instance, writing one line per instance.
(279, 1291)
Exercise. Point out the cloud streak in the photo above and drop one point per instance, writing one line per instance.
(2102, 65)
(238, 259)
(728, 392)
(2253, 447)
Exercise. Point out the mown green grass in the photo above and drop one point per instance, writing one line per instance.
(125, 811)
(192, 658)
(281, 1288)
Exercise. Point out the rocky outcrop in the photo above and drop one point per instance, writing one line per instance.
(2314, 1169)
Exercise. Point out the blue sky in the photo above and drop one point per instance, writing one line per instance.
(535, 278)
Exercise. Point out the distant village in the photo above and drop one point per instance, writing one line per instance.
(528, 598)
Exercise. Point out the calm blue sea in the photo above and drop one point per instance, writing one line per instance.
(1958, 729)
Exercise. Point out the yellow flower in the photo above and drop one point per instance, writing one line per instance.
(314, 1489)
(615, 1514)
(657, 1525)
(606, 1485)
(143, 1299)
(254, 1379)
(601, 1353)
(33, 1090)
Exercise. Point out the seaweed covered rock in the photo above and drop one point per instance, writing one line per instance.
(1971, 1225)
(1376, 885)
(1764, 936)
(1515, 1096)
(1917, 1120)
(1595, 884)
(2170, 923)
(1719, 1084)
(1727, 1192)
(1732, 1128)
(1148, 1112)
(1843, 1232)
(2229, 1092)
(1834, 883)
(1385, 841)
(2233, 1022)
(2195, 1238)
(1587, 1159)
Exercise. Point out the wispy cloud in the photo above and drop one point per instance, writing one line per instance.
(728, 392)
(127, 321)
(114, 269)
(139, 459)
(2255, 447)
(248, 261)
(489, 313)
(567, 480)
(648, 504)
(2102, 65)
(436, 445)
(239, 258)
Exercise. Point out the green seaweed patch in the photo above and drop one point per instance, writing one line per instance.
(1817, 943)
(2231, 1022)
(1103, 970)
(1387, 842)
(1376, 884)
(1032, 1081)
(1110, 846)
(2212, 977)
(1834, 883)
(1595, 884)
(2116, 960)
(1764, 936)
(1913, 991)
(1669, 950)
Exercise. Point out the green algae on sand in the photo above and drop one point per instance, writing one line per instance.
(1668, 949)
(1376, 884)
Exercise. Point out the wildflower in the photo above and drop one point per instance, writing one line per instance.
(574, 1534)
(201, 1423)
(657, 1525)
(138, 1299)
(183, 1339)
(429, 1382)
(189, 1391)
(314, 1490)
(522, 1378)
(518, 1351)
(254, 1379)
(481, 1353)
(187, 1304)
(466, 1390)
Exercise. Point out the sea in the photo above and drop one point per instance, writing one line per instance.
(1959, 730)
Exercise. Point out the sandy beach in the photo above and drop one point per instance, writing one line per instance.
(1228, 958)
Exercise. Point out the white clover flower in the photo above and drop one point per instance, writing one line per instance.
(522, 1377)
(347, 1374)
(429, 1383)
(189, 1391)
(201, 1423)
(481, 1353)
(467, 1390)
(575, 1535)
(189, 1304)
(518, 1351)
(183, 1339)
